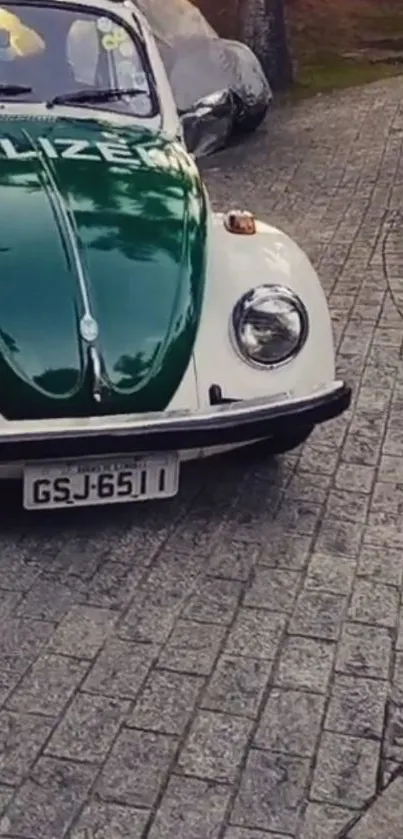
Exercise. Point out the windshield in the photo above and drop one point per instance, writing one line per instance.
(56, 52)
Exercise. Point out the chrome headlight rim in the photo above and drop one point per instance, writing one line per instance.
(279, 291)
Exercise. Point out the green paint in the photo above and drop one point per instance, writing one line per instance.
(137, 209)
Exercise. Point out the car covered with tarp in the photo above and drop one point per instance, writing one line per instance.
(198, 64)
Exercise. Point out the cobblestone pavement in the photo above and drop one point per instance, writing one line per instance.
(229, 665)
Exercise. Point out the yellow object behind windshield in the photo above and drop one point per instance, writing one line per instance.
(23, 41)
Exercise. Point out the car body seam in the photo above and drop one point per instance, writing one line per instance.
(64, 213)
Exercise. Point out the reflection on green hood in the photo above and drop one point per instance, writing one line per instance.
(105, 221)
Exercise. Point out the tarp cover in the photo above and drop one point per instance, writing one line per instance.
(199, 63)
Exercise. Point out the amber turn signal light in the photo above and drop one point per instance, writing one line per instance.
(241, 222)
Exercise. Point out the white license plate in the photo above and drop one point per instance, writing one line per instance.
(100, 481)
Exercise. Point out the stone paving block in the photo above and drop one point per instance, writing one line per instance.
(136, 768)
(256, 634)
(20, 643)
(120, 669)
(9, 601)
(313, 460)
(393, 733)
(385, 374)
(305, 663)
(166, 702)
(346, 769)
(88, 728)
(271, 792)
(290, 722)
(234, 561)
(364, 651)
(372, 400)
(139, 542)
(82, 632)
(361, 450)
(171, 579)
(48, 685)
(192, 648)
(22, 736)
(215, 746)
(399, 640)
(48, 801)
(384, 818)
(45, 602)
(387, 535)
(78, 557)
(391, 469)
(347, 506)
(112, 587)
(273, 588)
(397, 678)
(199, 539)
(330, 574)
(292, 552)
(307, 487)
(19, 567)
(215, 601)
(357, 706)
(318, 614)
(324, 821)
(5, 796)
(147, 621)
(339, 537)
(245, 833)
(237, 685)
(386, 502)
(246, 524)
(374, 603)
(383, 565)
(191, 809)
(392, 444)
(109, 821)
(300, 517)
(354, 477)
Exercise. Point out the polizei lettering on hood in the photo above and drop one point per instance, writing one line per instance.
(112, 152)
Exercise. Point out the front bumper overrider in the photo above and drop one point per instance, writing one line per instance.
(228, 423)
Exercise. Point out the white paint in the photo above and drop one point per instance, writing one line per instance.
(235, 264)
(115, 151)
(11, 153)
(48, 148)
(75, 149)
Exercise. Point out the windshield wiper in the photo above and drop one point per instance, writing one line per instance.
(14, 89)
(96, 95)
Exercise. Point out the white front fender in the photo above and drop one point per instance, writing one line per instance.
(236, 263)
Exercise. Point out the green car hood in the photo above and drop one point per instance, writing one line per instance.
(107, 224)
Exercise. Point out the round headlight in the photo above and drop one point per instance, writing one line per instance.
(269, 325)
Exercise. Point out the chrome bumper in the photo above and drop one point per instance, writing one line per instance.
(232, 422)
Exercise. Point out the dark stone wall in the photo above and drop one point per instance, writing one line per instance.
(261, 24)
(224, 15)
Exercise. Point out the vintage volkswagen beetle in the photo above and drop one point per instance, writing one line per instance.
(137, 328)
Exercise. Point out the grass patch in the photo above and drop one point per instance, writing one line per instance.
(323, 75)
(334, 41)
